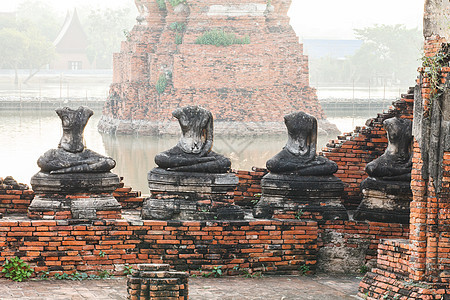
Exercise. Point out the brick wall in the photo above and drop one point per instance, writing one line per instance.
(14, 197)
(346, 246)
(128, 198)
(248, 191)
(273, 246)
(419, 268)
(430, 208)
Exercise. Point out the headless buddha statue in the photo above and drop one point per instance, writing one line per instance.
(299, 155)
(71, 156)
(193, 151)
(395, 164)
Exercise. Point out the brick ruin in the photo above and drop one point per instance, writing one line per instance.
(248, 87)
(419, 267)
(407, 261)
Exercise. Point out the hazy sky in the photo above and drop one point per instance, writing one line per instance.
(326, 19)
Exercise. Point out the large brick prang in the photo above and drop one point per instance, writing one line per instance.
(161, 67)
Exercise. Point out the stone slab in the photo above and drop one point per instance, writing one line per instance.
(47, 183)
(315, 194)
(189, 182)
(379, 206)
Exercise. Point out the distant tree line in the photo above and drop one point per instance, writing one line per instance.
(26, 37)
(390, 54)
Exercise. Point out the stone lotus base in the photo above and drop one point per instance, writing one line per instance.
(74, 196)
(191, 196)
(384, 201)
(292, 195)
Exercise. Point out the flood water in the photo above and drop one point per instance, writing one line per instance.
(25, 135)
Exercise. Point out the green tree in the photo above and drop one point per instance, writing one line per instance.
(40, 16)
(38, 53)
(388, 51)
(105, 31)
(12, 50)
(26, 39)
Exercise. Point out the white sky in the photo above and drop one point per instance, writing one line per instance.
(324, 19)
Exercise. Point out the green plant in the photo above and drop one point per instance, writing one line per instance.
(217, 271)
(304, 269)
(257, 198)
(127, 35)
(128, 270)
(219, 37)
(161, 84)
(364, 269)
(176, 2)
(101, 253)
(161, 4)
(104, 274)
(248, 274)
(432, 67)
(178, 26)
(178, 39)
(16, 269)
(206, 275)
(299, 214)
(76, 276)
(44, 275)
(93, 276)
(61, 276)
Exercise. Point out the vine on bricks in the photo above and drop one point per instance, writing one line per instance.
(432, 67)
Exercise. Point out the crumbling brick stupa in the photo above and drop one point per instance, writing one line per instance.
(249, 85)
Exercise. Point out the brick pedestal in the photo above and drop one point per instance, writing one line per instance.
(157, 282)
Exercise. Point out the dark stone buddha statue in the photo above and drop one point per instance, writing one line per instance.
(71, 156)
(299, 156)
(395, 164)
(193, 151)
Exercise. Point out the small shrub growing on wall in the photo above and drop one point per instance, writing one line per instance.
(161, 4)
(176, 2)
(221, 38)
(178, 26)
(178, 39)
(16, 269)
(161, 84)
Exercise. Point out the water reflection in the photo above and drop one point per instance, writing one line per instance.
(135, 155)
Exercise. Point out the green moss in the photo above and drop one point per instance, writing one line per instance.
(176, 2)
(161, 84)
(178, 26)
(219, 37)
(178, 39)
(161, 4)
